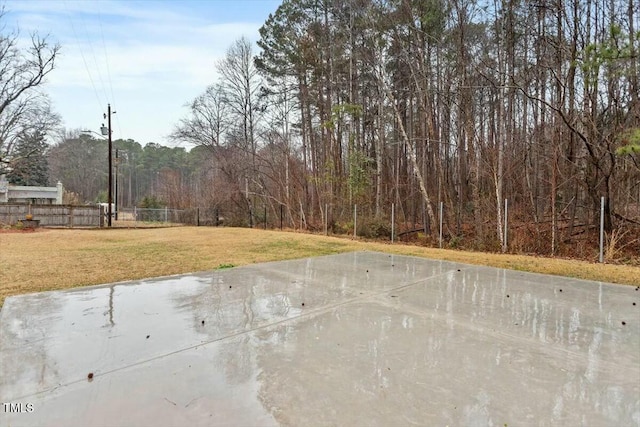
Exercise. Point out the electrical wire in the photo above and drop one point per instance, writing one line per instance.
(93, 55)
(106, 59)
(86, 66)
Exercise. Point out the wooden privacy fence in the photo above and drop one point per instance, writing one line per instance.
(52, 215)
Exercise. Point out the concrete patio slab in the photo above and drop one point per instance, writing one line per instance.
(362, 338)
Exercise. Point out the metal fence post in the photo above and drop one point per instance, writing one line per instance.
(602, 229)
(355, 220)
(281, 207)
(326, 219)
(505, 244)
(393, 221)
(441, 215)
(265, 217)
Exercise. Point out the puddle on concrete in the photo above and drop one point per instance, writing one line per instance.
(380, 340)
(409, 364)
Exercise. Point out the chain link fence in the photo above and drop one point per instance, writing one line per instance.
(190, 216)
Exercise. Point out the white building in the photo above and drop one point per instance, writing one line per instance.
(28, 194)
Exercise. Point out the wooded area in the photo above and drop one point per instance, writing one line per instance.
(416, 102)
(411, 102)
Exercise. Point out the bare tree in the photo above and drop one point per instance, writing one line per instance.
(417, 102)
(240, 85)
(207, 121)
(411, 151)
(23, 109)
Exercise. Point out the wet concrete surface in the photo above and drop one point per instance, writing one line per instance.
(362, 338)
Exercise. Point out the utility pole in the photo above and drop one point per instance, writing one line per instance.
(116, 189)
(106, 131)
(110, 195)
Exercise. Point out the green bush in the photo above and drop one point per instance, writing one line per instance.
(455, 242)
(341, 227)
(151, 202)
(374, 228)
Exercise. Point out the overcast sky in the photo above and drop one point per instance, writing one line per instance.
(146, 58)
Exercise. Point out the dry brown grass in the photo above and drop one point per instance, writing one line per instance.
(61, 259)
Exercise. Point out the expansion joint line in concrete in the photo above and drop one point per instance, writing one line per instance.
(309, 313)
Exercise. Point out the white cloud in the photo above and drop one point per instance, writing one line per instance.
(147, 58)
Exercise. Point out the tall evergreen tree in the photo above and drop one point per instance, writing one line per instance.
(31, 166)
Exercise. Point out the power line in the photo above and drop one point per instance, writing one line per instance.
(93, 54)
(106, 58)
(86, 66)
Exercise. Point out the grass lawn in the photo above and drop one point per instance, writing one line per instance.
(51, 259)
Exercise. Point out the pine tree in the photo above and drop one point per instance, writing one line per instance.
(30, 166)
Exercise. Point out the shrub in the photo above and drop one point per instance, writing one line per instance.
(374, 228)
(455, 242)
(341, 227)
(151, 202)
